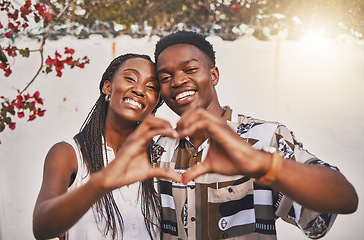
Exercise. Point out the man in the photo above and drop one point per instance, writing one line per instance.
(240, 174)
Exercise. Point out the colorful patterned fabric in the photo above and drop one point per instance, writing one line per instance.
(214, 206)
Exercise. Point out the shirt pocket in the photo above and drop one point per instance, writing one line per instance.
(231, 211)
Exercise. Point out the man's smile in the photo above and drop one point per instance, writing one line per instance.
(184, 95)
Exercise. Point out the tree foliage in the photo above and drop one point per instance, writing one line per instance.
(18, 20)
(220, 16)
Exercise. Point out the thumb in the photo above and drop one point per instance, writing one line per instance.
(195, 171)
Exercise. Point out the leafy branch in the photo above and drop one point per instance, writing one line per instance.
(18, 21)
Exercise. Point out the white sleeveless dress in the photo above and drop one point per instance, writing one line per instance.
(127, 198)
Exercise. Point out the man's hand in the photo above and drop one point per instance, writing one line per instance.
(228, 153)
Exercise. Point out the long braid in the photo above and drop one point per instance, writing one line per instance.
(90, 140)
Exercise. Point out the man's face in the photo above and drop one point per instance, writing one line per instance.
(187, 78)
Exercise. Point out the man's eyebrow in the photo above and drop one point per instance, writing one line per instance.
(188, 61)
(182, 64)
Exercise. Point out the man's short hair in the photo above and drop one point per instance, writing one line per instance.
(185, 37)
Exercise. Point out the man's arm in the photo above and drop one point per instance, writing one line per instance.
(313, 186)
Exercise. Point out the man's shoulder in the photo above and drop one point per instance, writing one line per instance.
(246, 119)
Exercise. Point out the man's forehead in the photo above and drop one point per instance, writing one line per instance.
(182, 54)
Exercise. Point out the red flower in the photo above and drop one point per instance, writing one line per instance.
(235, 8)
(69, 50)
(25, 25)
(7, 72)
(57, 55)
(10, 50)
(6, 68)
(9, 35)
(12, 125)
(36, 95)
(81, 65)
(31, 117)
(41, 112)
(10, 107)
(50, 61)
(20, 114)
(68, 61)
(19, 105)
(19, 98)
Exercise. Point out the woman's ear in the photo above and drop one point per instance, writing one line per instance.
(215, 75)
(107, 88)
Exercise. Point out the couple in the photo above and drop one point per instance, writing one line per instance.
(99, 185)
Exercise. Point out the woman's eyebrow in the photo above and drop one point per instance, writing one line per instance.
(131, 69)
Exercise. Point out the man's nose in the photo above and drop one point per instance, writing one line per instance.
(179, 79)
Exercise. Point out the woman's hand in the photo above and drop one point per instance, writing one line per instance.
(132, 163)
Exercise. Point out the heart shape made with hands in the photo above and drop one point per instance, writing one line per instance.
(228, 153)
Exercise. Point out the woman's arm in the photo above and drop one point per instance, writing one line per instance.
(56, 210)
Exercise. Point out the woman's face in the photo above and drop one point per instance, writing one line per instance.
(134, 90)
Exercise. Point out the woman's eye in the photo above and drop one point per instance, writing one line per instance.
(130, 79)
(153, 88)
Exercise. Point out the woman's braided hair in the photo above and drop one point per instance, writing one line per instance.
(90, 140)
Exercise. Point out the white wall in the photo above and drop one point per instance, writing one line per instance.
(315, 90)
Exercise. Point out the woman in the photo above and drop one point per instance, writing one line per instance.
(89, 193)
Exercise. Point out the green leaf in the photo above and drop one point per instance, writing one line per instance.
(2, 126)
(24, 52)
(7, 120)
(48, 69)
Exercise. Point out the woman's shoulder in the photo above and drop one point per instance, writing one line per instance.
(62, 155)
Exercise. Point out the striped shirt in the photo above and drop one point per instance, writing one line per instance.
(215, 206)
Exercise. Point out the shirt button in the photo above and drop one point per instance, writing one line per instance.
(193, 219)
(195, 155)
(230, 190)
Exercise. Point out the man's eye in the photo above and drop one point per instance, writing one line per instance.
(165, 79)
(191, 70)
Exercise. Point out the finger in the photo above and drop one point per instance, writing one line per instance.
(200, 120)
(154, 123)
(195, 171)
(166, 173)
(190, 129)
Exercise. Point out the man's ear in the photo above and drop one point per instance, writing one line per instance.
(215, 75)
(107, 87)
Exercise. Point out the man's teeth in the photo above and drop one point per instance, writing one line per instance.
(134, 103)
(184, 94)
